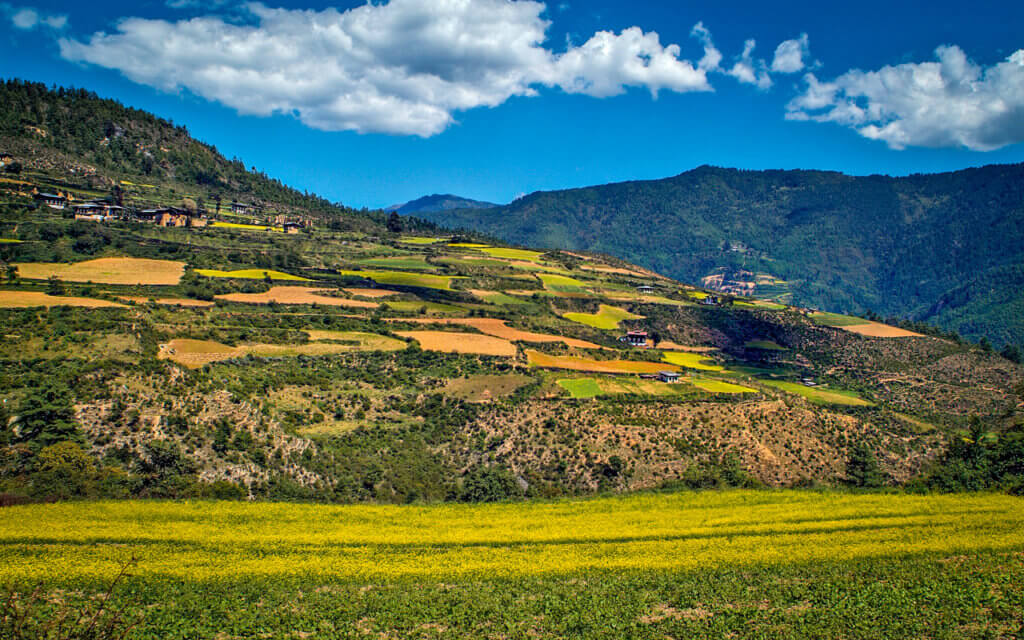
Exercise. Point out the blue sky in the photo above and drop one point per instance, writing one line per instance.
(374, 105)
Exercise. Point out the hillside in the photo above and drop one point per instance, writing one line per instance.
(436, 202)
(339, 366)
(345, 360)
(941, 248)
(71, 140)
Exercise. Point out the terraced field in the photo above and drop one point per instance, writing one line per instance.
(250, 274)
(574, 363)
(404, 279)
(691, 360)
(143, 271)
(297, 295)
(608, 317)
(819, 395)
(453, 342)
(28, 299)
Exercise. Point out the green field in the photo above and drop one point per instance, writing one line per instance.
(561, 283)
(819, 395)
(9, 241)
(432, 308)
(765, 345)
(403, 279)
(420, 240)
(836, 319)
(581, 387)
(511, 254)
(719, 386)
(397, 262)
(607, 317)
(737, 564)
(497, 297)
(691, 360)
(250, 274)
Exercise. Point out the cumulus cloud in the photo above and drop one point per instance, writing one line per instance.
(748, 70)
(745, 68)
(712, 59)
(405, 67)
(952, 102)
(607, 63)
(790, 56)
(27, 19)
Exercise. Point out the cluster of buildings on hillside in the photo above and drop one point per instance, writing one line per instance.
(101, 211)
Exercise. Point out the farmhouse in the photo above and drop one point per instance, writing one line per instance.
(52, 200)
(711, 301)
(291, 227)
(669, 377)
(98, 211)
(240, 208)
(89, 211)
(645, 288)
(635, 338)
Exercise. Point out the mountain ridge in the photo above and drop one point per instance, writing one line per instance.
(839, 242)
(439, 202)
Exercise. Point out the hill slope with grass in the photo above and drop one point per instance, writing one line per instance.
(942, 248)
(71, 139)
(350, 361)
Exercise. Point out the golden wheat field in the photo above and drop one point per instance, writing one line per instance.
(879, 330)
(208, 540)
(194, 354)
(108, 271)
(452, 342)
(500, 329)
(296, 295)
(573, 363)
(27, 299)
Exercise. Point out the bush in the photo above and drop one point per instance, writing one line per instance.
(489, 484)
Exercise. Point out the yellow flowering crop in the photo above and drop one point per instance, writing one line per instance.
(200, 540)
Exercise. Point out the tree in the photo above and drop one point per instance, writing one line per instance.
(46, 416)
(489, 484)
(1012, 353)
(862, 468)
(54, 286)
(64, 470)
(13, 168)
(394, 223)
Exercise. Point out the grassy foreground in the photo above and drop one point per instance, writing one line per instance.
(755, 564)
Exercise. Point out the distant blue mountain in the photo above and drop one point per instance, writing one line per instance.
(438, 202)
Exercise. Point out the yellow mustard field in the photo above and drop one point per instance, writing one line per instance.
(207, 540)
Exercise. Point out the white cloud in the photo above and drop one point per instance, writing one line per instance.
(27, 18)
(790, 55)
(952, 102)
(607, 63)
(404, 67)
(750, 71)
(712, 56)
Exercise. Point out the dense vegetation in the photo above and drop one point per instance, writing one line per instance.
(98, 142)
(946, 248)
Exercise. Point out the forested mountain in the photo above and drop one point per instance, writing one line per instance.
(101, 145)
(945, 248)
(439, 202)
